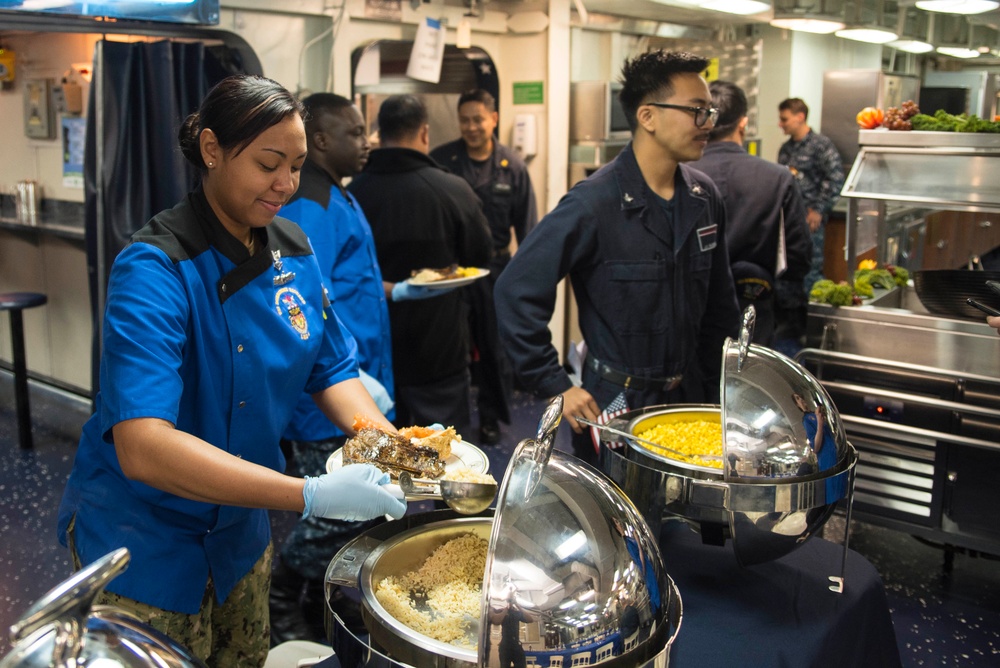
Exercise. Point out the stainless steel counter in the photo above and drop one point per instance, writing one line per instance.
(895, 326)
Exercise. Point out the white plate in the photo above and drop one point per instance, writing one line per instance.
(451, 282)
(463, 455)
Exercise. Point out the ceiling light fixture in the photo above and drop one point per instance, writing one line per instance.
(911, 46)
(866, 23)
(958, 52)
(957, 6)
(741, 7)
(871, 35)
(790, 15)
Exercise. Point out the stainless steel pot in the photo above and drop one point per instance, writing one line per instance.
(787, 462)
(64, 630)
(568, 554)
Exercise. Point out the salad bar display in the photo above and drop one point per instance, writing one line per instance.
(914, 371)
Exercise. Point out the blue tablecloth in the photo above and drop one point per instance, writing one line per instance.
(780, 614)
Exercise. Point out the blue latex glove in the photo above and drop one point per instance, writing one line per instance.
(378, 392)
(351, 493)
(403, 291)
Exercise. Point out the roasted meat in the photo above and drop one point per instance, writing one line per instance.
(392, 453)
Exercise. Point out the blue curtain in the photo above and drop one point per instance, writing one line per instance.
(133, 168)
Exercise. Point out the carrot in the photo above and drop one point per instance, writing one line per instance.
(362, 421)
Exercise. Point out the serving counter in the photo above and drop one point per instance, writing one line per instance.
(49, 257)
(776, 614)
(919, 392)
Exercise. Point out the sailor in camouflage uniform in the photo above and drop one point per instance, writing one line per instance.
(819, 171)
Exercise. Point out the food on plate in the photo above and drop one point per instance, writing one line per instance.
(439, 439)
(465, 474)
(448, 585)
(362, 421)
(869, 118)
(692, 437)
(392, 453)
(447, 273)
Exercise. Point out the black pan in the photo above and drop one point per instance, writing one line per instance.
(944, 291)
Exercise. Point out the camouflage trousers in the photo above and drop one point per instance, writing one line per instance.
(313, 541)
(235, 633)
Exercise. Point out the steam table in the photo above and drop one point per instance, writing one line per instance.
(776, 614)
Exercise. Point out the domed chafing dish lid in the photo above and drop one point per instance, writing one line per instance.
(569, 549)
(777, 420)
(63, 630)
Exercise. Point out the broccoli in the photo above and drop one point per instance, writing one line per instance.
(826, 291)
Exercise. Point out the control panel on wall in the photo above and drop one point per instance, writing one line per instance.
(39, 117)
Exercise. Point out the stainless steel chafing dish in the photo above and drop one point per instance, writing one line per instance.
(64, 629)
(787, 462)
(569, 554)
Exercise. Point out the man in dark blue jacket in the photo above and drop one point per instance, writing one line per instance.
(767, 233)
(643, 243)
(422, 216)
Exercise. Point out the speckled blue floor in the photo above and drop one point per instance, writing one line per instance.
(940, 619)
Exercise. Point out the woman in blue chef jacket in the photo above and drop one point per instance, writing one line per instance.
(216, 321)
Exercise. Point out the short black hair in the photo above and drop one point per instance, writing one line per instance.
(400, 117)
(795, 105)
(318, 104)
(650, 75)
(478, 95)
(237, 109)
(731, 102)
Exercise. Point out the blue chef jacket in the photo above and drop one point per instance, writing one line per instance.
(344, 247)
(199, 333)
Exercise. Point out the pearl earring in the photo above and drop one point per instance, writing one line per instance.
(211, 164)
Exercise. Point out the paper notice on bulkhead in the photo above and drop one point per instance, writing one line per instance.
(428, 52)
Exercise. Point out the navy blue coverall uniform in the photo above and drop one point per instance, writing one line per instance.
(652, 283)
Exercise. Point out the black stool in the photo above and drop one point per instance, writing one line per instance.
(15, 302)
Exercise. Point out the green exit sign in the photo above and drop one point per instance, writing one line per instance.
(529, 92)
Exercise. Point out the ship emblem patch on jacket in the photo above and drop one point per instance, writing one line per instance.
(288, 302)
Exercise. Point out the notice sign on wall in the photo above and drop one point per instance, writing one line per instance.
(428, 52)
(74, 132)
(529, 92)
(384, 10)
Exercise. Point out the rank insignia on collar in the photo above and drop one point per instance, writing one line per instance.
(628, 198)
(285, 277)
(697, 190)
(276, 259)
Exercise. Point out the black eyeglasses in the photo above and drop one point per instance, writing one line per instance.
(701, 114)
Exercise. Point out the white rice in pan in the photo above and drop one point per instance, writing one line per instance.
(451, 578)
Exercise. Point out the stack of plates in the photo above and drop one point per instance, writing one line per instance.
(944, 291)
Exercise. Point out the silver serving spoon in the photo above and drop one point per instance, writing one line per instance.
(466, 498)
(619, 432)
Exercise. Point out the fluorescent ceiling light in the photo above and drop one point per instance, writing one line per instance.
(958, 52)
(870, 35)
(742, 7)
(957, 6)
(803, 24)
(911, 46)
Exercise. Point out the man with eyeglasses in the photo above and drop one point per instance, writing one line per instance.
(643, 243)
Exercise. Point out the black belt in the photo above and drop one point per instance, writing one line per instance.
(632, 382)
